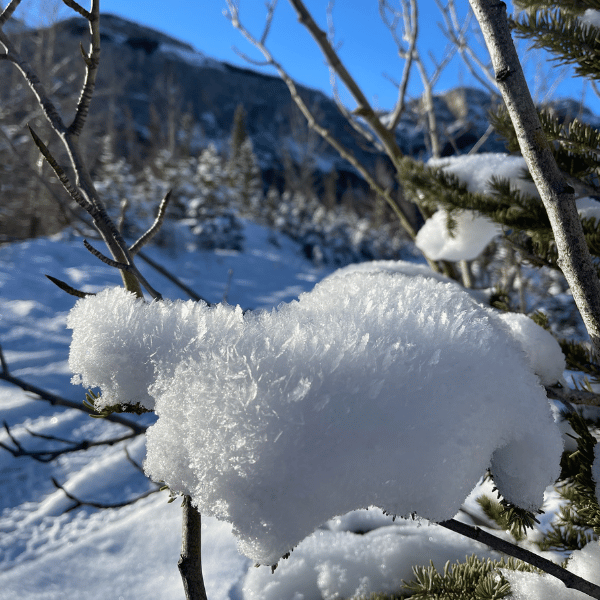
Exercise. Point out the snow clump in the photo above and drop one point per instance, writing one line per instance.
(374, 389)
(473, 232)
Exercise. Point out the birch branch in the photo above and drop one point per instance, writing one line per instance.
(557, 195)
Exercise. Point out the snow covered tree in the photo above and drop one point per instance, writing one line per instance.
(213, 209)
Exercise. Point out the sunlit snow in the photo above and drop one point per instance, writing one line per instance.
(266, 418)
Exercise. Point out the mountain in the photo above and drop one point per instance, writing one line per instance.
(156, 93)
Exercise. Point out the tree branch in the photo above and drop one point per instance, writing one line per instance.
(8, 11)
(154, 228)
(322, 131)
(570, 580)
(190, 561)
(100, 505)
(56, 400)
(557, 195)
(46, 456)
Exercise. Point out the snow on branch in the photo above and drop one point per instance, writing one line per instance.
(374, 389)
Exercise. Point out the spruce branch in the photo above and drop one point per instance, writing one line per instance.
(573, 256)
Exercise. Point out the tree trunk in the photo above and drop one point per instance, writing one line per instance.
(573, 255)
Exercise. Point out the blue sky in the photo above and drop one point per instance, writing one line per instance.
(367, 47)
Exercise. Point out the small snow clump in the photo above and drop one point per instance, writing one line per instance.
(373, 389)
(473, 232)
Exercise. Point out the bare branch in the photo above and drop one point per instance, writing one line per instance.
(92, 61)
(60, 174)
(34, 83)
(456, 34)
(56, 400)
(268, 21)
(100, 505)
(46, 456)
(67, 288)
(386, 136)
(154, 228)
(77, 8)
(557, 195)
(105, 259)
(123, 267)
(188, 290)
(570, 580)
(3, 362)
(411, 27)
(8, 11)
(322, 131)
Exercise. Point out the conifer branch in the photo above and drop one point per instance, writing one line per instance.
(557, 196)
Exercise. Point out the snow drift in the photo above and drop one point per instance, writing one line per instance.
(374, 389)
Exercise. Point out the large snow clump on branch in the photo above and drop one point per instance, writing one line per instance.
(374, 389)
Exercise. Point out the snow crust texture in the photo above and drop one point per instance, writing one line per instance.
(374, 389)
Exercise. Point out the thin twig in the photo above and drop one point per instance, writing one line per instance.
(56, 400)
(188, 290)
(154, 228)
(46, 456)
(92, 61)
(411, 27)
(77, 8)
(60, 174)
(322, 131)
(108, 261)
(69, 289)
(100, 505)
(3, 362)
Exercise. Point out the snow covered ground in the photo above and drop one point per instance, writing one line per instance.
(48, 551)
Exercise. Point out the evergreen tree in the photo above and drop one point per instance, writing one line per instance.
(213, 209)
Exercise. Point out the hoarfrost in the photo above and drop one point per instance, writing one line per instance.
(374, 389)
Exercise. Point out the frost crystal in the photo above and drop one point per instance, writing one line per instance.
(374, 389)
